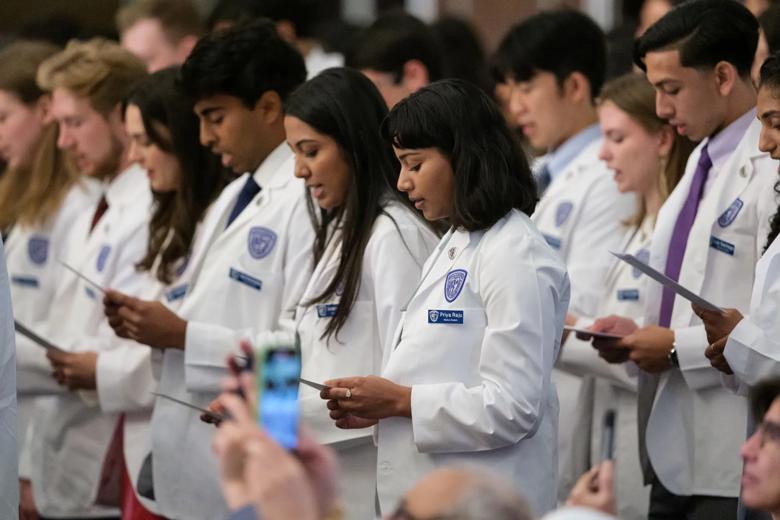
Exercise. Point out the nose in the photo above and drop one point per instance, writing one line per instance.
(207, 137)
(517, 106)
(604, 153)
(301, 171)
(64, 139)
(663, 108)
(765, 142)
(134, 154)
(750, 447)
(404, 183)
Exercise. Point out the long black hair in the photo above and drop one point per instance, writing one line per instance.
(163, 104)
(344, 105)
(770, 78)
(492, 175)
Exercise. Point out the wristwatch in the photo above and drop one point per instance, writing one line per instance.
(672, 356)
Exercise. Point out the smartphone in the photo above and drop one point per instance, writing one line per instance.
(279, 368)
(608, 436)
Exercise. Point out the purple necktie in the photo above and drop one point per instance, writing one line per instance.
(682, 229)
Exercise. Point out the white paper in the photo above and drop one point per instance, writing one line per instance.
(24, 331)
(668, 282)
(593, 334)
(213, 415)
(77, 273)
(316, 386)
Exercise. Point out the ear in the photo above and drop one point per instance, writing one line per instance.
(576, 88)
(43, 109)
(269, 108)
(726, 76)
(665, 137)
(286, 31)
(415, 76)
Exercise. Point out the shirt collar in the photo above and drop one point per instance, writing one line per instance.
(722, 144)
(127, 185)
(268, 168)
(562, 156)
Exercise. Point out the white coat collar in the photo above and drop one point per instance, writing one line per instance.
(269, 173)
(126, 187)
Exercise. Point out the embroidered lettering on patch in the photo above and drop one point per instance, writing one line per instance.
(628, 294)
(563, 212)
(731, 213)
(643, 255)
(722, 245)
(260, 242)
(552, 241)
(177, 293)
(245, 279)
(103, 257)
(38, 249)
(445, 316)
(326, 310)
(453, 284)
(26, 281)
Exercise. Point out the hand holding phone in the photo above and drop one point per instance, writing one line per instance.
(278, 373)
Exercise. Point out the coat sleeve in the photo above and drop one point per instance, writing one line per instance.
(524, 323)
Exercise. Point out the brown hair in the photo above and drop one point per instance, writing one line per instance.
(98, 69)
(31, 195)
(635, 96)
(178, 18)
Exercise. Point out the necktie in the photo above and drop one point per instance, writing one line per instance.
(99, 212)
(248, 192)
(543, 179)
(682, 229)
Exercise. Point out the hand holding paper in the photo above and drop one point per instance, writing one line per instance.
(35, 338)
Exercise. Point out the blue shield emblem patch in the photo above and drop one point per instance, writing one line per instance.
(731, 213)
(260, 242)
(453, 284)
(103, 257)
(433, 316)
(563, 212)
(38, 249)
(643, 255)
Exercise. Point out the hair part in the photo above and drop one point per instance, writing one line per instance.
(178, 18)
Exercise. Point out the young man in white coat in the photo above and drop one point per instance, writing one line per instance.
(708, 236)
(73, 463)
(555, 63)
(255, 267)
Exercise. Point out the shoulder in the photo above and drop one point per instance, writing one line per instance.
(398, 224)
(515, 239)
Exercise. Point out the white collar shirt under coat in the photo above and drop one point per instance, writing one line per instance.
(477, 344)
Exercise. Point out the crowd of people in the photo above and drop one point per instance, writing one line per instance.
(438, 235)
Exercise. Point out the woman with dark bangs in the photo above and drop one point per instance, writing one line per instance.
(468, 375)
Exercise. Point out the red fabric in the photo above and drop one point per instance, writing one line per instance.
(99, 212)
(132, 508)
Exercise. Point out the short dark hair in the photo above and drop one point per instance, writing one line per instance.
(305, 15)
(770, 24)
(561, 42)
(391, 41)
(705, 32)
(762, 396)
(492, 175)
(244, 62)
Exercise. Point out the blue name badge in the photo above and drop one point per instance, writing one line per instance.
(327, 310)
(722, 245)
(26, 281)
(552, 241)
(245, 279)
(177, 292)
(443, 316)
(628, 294)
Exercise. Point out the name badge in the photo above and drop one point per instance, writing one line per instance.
(26, 281)
(444, 316)
(176, 293)
(552, 241)
(245, 279)
(326, 310)
(722, 245)
(628, 294)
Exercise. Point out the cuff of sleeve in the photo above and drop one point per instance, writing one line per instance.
(205, 347)
(749, 364)
(125, 379)
(690, 343)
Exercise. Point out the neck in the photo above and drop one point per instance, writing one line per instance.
(579, 120)
(741, 99)
(652, 201)
(275, 138)
(305, 45)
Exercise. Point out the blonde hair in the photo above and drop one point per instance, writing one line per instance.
(98, 69)
(32, 194)
(178, 18)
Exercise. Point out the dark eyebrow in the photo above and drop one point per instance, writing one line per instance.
(304, 141)
(768, 114)
(209, 110)
(407, 154)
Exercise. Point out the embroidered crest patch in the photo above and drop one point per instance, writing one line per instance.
(731, 213)
(563, 212)
(38, 249)
(453, 284)
(103, 257)
(643, 255)
(260, 242)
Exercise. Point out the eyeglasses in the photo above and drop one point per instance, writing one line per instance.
(768, 431)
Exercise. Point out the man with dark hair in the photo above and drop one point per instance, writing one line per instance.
(161, 33)
(555, 63)
(258, 237)
(761, 452)
(399, 54)
(708, 236)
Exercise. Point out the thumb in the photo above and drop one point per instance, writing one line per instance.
(605, 476)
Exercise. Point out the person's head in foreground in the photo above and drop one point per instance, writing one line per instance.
(768, 112)
(761, 452)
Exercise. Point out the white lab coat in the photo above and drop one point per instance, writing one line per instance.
(581, 215)
(691, 437)
(481, 388)
(253, 274)
(9, 483)
(613, 386)
(70, 434)
(31, 255)
(318, 60)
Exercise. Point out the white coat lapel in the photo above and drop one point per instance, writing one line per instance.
(447, 257)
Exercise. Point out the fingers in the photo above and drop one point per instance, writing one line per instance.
(344, 382)
(237, 408)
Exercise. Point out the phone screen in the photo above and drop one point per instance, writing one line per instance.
(278, 399)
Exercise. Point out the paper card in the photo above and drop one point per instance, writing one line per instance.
(35, 338)
(597, 335)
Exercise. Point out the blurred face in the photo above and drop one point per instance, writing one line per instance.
(94, 141)
(768, 112)
(630, 151)
(162, 167)
(232, 131)
(20, 128)
(320, 162)
(391, 91)
(428, 180)
(538, 108)
(147, 40)
(689, 99)
(434, 495)
(651, 12)
(761, 457)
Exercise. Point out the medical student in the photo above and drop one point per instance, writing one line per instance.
(647, 158)
(709, 235)
(257, 259)
(555, 64)
(9, 489)
(747, 346)
(41, 194)
(468, 376)
(71, 444)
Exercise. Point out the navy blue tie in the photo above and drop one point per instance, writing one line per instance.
(248, 192)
